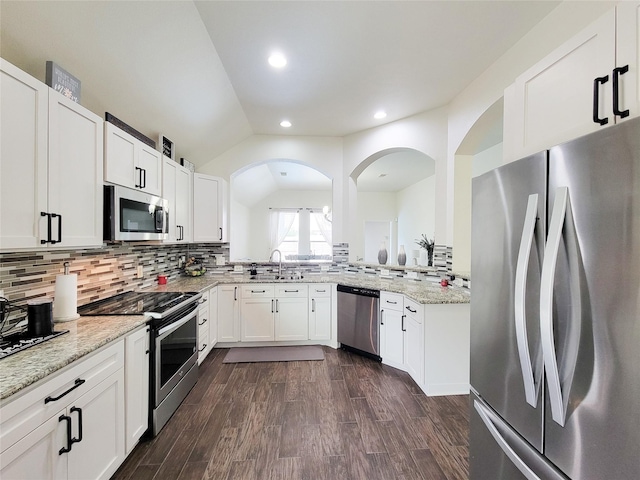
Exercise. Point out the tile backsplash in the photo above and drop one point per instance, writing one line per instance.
(101, 272)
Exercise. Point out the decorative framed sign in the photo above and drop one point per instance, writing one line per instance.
(167, 147)
(62, 81)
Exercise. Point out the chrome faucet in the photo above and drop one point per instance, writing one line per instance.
(280, 261)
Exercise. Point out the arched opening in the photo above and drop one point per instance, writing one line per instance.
(280, 203)
(395, 204)
(479, 152)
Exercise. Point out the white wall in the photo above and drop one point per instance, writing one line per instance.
(257, 230)
(486, 160)
(416, 214)
(373, 207)
(240, 232)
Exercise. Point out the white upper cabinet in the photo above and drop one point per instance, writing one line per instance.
(50, 167)
(562, 96)
(23, 160)
(628, 53)
(75, 172)
(176, 189)
(209, 209)
(590, 82)
(131, 163)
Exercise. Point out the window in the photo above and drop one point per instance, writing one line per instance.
(301, 234)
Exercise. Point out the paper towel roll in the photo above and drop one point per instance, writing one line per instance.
(65, 303)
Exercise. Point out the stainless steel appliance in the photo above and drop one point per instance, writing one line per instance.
(358, 325)
(133, 215)
(555, 357)
(174, 344)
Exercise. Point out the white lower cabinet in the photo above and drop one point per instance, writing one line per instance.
(71, 426)
(414, 340)
(320, 311)
(228, 313)
(204, 325)
(392, 329)
(136, 386)
(257, 310)
(213, 317)
(291, 317)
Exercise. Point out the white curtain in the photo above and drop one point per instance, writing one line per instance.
(325, 226)
(280, 224)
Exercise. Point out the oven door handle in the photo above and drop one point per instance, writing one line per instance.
(164, 331)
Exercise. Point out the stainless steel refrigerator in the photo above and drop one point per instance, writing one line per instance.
(555, 313)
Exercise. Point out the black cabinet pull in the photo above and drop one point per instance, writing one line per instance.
(203, 322)
(271, 305)
(48, 215)
(258, 291)
(59, 217)
(220, 233)
(409, 308)
(381, 317)
(596, 99)
(77, 383)
(79, 410)
(277, 305)
(235, 294)
(291, 291)
(403, 329)
(144, 181)
(616, 91)
(392, 303)
(204, 346)
(139, 184)
(313, 305)
(68, 447)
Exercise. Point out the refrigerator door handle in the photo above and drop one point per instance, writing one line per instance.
(531, 387)
(502, 443)
(558, 411)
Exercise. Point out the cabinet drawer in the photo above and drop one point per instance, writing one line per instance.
(257, 291)
(21, 415)
(391, 301)
(291, 291)
(322, 290)
(413, 310)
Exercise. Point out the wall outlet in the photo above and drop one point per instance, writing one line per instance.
(237, 269)
(324, 268)
(384, 272)
(139, 272)
(412, 275)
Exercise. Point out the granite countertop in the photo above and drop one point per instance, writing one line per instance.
(86, 335)
(425, 292)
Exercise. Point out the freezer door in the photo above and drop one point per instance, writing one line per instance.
(506, 358)
(593, 332)
(502, 454)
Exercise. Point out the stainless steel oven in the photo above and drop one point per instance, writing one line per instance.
(174, 344)
(175, 365)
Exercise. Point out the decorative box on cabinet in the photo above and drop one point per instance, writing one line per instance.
(130, 162)
(209, 209)
(71, 425)
(52, 160)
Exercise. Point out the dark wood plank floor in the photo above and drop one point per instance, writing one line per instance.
(344, 418)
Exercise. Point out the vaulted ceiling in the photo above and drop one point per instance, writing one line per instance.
(197, 72)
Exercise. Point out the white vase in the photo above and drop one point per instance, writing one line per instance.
(402, 256)
(382, 254)
(423, 257)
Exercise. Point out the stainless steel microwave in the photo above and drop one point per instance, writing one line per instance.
(131, 215)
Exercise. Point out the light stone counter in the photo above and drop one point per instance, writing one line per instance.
(86, 335)
(424, 291)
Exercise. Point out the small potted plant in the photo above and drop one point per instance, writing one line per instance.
(428, 245)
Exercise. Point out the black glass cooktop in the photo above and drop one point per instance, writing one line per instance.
(137, 303)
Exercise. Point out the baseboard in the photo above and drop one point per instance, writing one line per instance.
(440, 389)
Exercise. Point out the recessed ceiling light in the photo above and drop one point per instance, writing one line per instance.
(285, 123)
(380, 114)
(277, 60)
(283, 174)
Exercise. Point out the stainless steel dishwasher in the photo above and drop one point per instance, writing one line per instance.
(358, 326)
